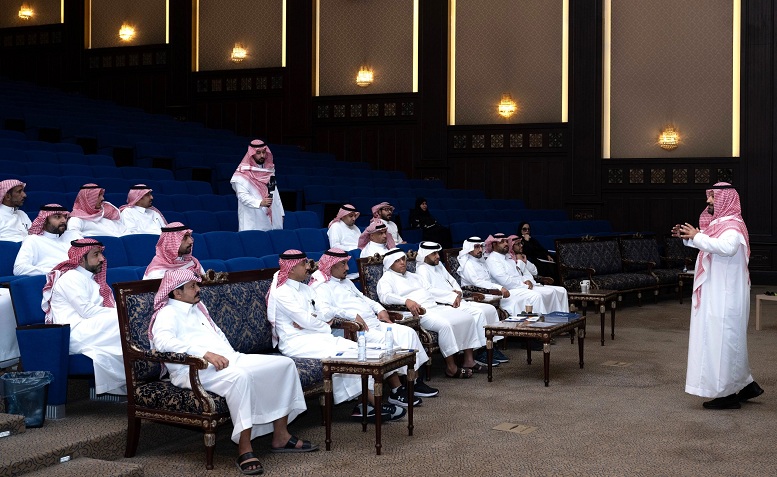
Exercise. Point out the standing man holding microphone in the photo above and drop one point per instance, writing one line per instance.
(259, 205)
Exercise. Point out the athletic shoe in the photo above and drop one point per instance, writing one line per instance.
(393, 412)
(421, 389)
(400, 398)
(500, 357)
(356, 415)
(482, 359)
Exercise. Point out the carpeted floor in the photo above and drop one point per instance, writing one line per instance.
(625, 413)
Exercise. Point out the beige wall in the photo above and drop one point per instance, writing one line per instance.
(508, 46)
(378, 33)
(671, 64)
(46, 12)
(147, 16)
(257, 24)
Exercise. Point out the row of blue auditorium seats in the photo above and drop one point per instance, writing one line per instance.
(53, 183)
(52, 147)
(15, 155)
(226, 220)
(98, 172)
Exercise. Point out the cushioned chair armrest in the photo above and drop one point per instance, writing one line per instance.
(166, 357)
(411, 321)
(399, 308)
(484, 291)
(545, 280)
(395, 316)
(476, 296)
(350, 328)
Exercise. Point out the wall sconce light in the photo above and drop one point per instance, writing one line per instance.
(669, 139)
(239, 53)
(365, 77)
(126, 32)
(26, 12)
(507, 107)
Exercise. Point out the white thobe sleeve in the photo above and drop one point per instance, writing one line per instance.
(78, 296)
(327, 307)
(387, 292)
(166, 337)
(335, 236)
(293, 305)
(499, 273)
(23, 265)
(440, 295)
(478, 276)
(246, 197)
(726, 245)
(76, 225)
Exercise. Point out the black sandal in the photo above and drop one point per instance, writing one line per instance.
(461, 373)
(478, 368)
(244, 463)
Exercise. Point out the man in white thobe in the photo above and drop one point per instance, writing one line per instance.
(718, 364)
(553, 298)
(342, 231)
(474, 272)
(14, 223)
(139, 215)
(173, 251)
(442, 284)
(383, 213)
(299, 329)
(93, 216)
(455, 328)
(375, 239)
(47, 244)
(502, 270)
(76, 294)
(337, 296)
(259, 205)
(182, 324)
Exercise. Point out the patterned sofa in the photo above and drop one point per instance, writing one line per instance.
(600, 260)
(236, 302)
(641, 252)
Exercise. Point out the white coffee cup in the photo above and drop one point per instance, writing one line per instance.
(585, 286)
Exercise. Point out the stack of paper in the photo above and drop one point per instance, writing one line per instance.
(560, 317)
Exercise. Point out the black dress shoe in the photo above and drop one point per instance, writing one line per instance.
(727, 402)
(752, 390)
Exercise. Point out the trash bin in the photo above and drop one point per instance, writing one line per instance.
(26, 393)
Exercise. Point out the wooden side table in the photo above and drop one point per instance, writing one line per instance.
(598, 297)
(526, 330)
(375, 368)
(682, 279)
(758, 299)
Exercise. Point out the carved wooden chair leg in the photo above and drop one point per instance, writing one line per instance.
(210, 446)
(133, 435)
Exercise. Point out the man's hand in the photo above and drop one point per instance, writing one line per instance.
(458, 292)
(522, 257)
(414, 307)
(457, 302)
(505, 293)
(219, 362)
(529, 284)
(295, 325)
(384, 317)
(267, 201)
(688, 231)
(361, 321)
(676, 230)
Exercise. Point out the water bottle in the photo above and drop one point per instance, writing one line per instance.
(389, 341)
(362, 342)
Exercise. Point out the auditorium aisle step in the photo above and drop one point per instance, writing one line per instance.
(12, 424)
(85, 466)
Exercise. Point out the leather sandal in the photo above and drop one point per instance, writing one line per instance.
(461, 373)
(244, 463)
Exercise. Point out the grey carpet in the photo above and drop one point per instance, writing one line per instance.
(625, 413)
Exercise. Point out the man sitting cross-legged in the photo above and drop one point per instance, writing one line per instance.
(442, 284)
(300, 329)
(182, 324)
(338, 296)
(455, 328)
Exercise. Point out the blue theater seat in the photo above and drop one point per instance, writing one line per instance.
(100, 172)
(198, 187)
(243, 263)
(47, 183)
(173, 187)
(270, 261)
(186, 202)
(224, 245)
(201, 220)
(307, 219)
(256, 243)
(172, 215)
(312, 239)
(8, 252)
(114, 251)
(227, 220)
(283, 240)
(213, 264)
(122, 274)
(140, 248)
(200, 249)
(79, 158)
(13, 167)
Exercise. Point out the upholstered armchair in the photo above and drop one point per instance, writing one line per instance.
(237, 304)
(370, 271)
(450, 257)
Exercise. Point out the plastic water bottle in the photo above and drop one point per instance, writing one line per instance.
(362, 342)
(389, 341)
